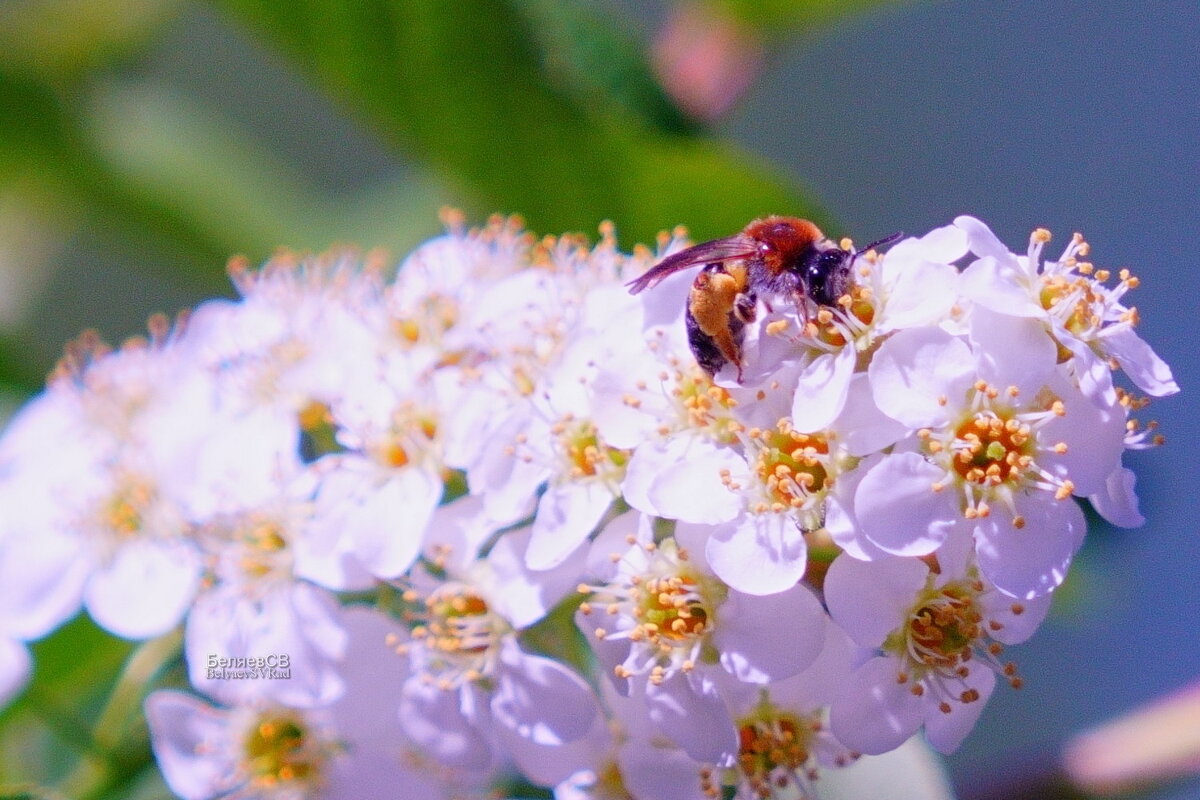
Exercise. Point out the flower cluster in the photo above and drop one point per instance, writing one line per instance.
(374, 502)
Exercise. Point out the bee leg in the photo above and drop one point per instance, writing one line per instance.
(714, 318)
(745, 307)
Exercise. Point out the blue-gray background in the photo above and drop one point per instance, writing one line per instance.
(1067, 115)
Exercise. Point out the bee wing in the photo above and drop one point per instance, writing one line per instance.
(737, 246)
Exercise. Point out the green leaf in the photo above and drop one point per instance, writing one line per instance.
(776, 18)
(60, 39)
(464, 86)
(584, 51)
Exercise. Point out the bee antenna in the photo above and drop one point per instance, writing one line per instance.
(885, 241)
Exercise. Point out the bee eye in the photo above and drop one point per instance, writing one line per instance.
(826, 263)
(824, 282)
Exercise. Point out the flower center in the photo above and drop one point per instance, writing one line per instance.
(318, 431)
(585, 454)
(672, 607)
(412, 434)
(773, 749)
(664, 608)
(944, 626)
(858, 312)
(279, 750)
(790, 465)
(461, 633)
(125, 511)
(705, 405)
(993, 447)
(262, 547)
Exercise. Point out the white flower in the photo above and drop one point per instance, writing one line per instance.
(121, 428)
(939, 633)
(473, 695)
(1086, 318)
(352, 749)
(254, 606)
(1002, 462)
(659, 618)
(783, 729)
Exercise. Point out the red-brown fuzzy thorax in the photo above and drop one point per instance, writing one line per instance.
(783, 240)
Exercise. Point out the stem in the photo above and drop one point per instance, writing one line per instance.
(106, 766)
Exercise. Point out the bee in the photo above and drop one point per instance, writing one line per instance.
(771, 257)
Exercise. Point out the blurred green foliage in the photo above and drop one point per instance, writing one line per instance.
(548, 108)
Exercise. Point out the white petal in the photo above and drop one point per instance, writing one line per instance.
(998, 284)
(15, 669)
(685, 479)
(689, 712)
(947, 731)
(189, 739)
(922, 294)
(525, 595)
(1012, 351)
(146, 589)
(818, 684)
(875, 713)
(1031, 561)
(758, 553)
(863, 427)
(1138, 359)
(1117, 502)
(659, 772)
(41, 583)
(870, 599)
(388, 525)
(567, 514)
(1012, 621)
(612, 544)
(541, 700)
(980, 238)
(1090, 372)
(920, 373)
(900, 511)
(434, 719)
(767, 638)
(457, 530)
(1095, 439)
(821, 390)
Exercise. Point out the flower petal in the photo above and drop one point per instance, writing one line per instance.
(758, 553)
(900, 510)
(918, 373)
(567, 514)
(433, 718)
(870, 599)
(146, 589)
(688, 710)
(947, 731)
(1117, 502)
(188, 737)
(539, 699)
(876, 712)
(767, 638)
(1012, 350)
(680, 478)
(1140, 362)
(821, 390)
(1030, 561)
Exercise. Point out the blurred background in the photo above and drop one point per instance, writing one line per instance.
(143, 142)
